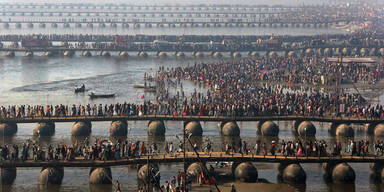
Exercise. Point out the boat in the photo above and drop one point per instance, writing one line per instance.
(150, 89)
(144, 86)
(95, 96)
(139, 86)
(80, 89)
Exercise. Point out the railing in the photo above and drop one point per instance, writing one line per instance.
(191, 117)
(185, 48)
(192, 157)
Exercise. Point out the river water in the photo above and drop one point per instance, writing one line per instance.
(42, 80)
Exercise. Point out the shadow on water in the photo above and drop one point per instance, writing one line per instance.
(376, 183)
(48, 188)
(100, 188)
(377, 188)
(34, 60)
(341, 187)
(267, 140)
(6, 188)
(6, 139)
(305, 139)
(159, 140)
(79, 140)
(117, 139)
(233, 142)
(42, 140)
(296, 187)
(343, 139)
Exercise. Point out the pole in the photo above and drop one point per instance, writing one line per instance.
(305, 134)
(148, 175)
(1, 169)
(184, 163)
(203, 164)
(305, 142)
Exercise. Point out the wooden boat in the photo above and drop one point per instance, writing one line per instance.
(148, 89)
(143, 86)
(95, 96)
(80, 89)
(139, 86)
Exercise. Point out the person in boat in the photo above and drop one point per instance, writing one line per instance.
(82, 86)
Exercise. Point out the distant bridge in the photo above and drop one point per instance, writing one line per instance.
(198, 50)
(182, 22)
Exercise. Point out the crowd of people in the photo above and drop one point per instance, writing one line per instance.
(313, 148)
(101, 150)
(106, 150)
(235, 88)
(246, 87)
(312, 71)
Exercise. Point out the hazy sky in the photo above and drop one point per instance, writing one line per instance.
(152, 2)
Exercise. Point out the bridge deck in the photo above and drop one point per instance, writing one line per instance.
(174, 21)
(187, 47)
(191, 118)
(191, 157)
(29, 11)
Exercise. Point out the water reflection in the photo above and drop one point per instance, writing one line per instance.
(298, 187)
(375, 178)
(378, 187)
(233, 142)
(6, 188)
(117, 139)
(341, 187)
(80, 140)
(158, 140)
(42, 140)
(100, 188)
(48, 188)
(6, 139)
